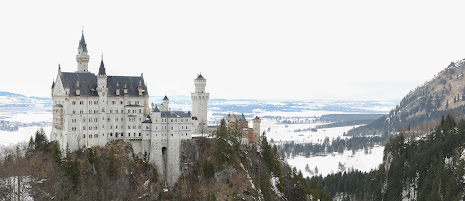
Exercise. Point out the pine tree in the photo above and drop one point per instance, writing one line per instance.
(30, 147)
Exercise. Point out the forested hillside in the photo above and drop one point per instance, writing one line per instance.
(223, 171)
(417, 168)
(422, 108)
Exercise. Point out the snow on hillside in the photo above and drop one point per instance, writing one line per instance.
(17, 100)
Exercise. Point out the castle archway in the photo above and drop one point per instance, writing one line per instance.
(164, 152)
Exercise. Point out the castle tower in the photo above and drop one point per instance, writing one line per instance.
(166, 103)
(199, 102)
(82, 58)
(256, 130)
(102, 91)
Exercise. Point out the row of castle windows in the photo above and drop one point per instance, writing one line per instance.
(103, 110)
(129, 135)
(96, 102)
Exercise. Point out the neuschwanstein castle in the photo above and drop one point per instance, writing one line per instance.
(91, 110)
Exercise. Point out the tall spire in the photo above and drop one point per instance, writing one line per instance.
(101, 70)
(82, 42)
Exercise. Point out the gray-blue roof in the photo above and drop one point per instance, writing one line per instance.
(174, 114)
(87, 83)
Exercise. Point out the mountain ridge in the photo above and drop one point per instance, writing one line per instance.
(421, 108)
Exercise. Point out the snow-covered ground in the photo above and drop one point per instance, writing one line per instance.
(22, 134)
(285, 132)
(26, 115)
(326, 164)
(330, 163)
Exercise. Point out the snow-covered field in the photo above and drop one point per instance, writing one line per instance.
(330, 164)
(27, 115)
(285, 132)
(326, 164)
(22, 134)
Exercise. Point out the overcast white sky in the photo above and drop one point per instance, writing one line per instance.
(353, 50)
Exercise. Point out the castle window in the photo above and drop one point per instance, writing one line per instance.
(111, 134)
(140, 134)
(74, 102)
(74, 111)
(81, 112)
(95, 127)
(90, 128)
(129, 127)
(116, 127)
(129, 134)
(121, 102)
(140, 110)
(129, 111)
(111, 111)
(116, 111)
(121, 111)
(90, 136)
(103, 126)
(171, 120)
(171, 134)
(113, 102)
(96, 135)
(84, 136)
(116, 119)
(83, 128)
(133, 127)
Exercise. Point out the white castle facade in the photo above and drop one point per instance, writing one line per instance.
(91, 110)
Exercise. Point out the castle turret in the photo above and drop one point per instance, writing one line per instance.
(82, 58)
(166, 103)
(102, 90)
(256, 130)
(200, 101)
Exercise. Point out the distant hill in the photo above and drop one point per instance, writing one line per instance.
(8, 99)
(421, 108)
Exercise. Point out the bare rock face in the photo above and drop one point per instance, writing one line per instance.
(225, 175)
(189, 154)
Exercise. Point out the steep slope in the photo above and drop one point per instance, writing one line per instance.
(421, 108)
(431, 167)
